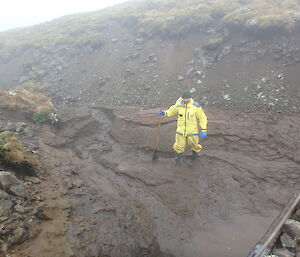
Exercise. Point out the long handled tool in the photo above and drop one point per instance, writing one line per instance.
(155, 157)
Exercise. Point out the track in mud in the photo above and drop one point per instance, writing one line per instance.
(130, 204)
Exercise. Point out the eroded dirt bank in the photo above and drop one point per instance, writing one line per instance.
(123, 204)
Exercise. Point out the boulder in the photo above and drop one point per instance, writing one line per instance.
(4, 195)
(7, 179)
(18, 190)
(6, 206)
(292, 228)
(11, 185)
(287, 241)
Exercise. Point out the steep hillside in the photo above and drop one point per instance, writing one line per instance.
(246, 54)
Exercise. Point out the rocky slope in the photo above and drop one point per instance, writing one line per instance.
(236, 72)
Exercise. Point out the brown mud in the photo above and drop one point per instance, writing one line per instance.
(124, 204)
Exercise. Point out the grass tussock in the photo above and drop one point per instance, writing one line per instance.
(152, 17)
(22, 99)
(13, 153)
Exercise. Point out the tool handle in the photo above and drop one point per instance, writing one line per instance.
(157, 132)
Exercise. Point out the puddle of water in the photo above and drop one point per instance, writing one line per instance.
(232, 239)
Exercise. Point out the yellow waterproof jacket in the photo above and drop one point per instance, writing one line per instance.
(189, 116)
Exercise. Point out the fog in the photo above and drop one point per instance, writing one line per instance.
(14, 13)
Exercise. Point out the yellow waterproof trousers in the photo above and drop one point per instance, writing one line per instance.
(192, 142)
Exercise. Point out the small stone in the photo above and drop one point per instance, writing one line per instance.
(227, 97)
(280, 76)
(180, 78)
(259, 95)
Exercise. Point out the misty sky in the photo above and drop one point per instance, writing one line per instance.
(21, 13)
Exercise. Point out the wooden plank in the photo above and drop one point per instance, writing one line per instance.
(265, 245)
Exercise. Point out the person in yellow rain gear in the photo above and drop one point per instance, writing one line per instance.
(190, 114)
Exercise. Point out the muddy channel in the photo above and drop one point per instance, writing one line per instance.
(124, 204)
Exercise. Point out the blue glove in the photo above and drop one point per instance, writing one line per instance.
(161, 112)
(203, 135)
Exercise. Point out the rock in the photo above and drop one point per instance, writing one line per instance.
(43, 213)
(280, 76)
(296, 215)
(102, 81)
(287, 241)
(227, 97)
(19, 236)
(263, 80)
(180, 78)
(7, 180)
(4, 195)
(292, 228)
(21, 209)
(18, 190)
(189, 71)
(33, 180)
(282, 252)
(259, 95)
(5, 207)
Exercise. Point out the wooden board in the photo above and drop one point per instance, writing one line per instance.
(266, 243)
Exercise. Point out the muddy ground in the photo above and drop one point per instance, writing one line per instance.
(110, 199)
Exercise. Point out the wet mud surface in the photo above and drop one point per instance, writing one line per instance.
(124, 204)
(127, 205)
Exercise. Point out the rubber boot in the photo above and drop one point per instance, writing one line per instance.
(178, 159)
(194, 156)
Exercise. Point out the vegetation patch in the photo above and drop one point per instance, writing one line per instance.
(25, 100)
(170, 18)
(13, 154)
(39, 117)
(48, 115)
(21, 99)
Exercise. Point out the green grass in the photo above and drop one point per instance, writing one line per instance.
(166, 18)
(39, 117)
(48, 115)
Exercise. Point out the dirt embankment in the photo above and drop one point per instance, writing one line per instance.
(123, 204)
